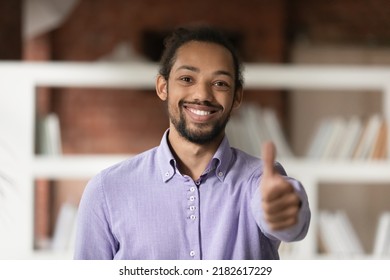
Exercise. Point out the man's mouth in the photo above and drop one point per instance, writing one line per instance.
(201, 109)
(199, 112)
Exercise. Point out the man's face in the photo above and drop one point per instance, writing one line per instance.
(200, 91)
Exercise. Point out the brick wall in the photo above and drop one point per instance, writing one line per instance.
(10, 30)
(97, 25)
(358, 22)
(110, 121)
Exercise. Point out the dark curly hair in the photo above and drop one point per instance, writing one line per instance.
(183, 35)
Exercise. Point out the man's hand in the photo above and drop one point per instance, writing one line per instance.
(279, 201)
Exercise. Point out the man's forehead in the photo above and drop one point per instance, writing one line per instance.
(193, 55)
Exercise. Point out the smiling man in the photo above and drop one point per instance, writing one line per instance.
(193, 196)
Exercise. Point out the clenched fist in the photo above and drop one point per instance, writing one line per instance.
(280, 203)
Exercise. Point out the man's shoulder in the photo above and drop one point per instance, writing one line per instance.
(244, 163)
(122, 177)
(244, 158)
(138, 162)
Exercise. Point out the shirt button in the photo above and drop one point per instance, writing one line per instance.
(192, 189)
(192, 253)
(192, 217)
(192, 208)
(220, 173)
(166, 174)
(192, 198)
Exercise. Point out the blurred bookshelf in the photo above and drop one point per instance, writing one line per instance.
(28, 170)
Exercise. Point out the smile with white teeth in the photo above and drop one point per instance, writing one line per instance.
(200, 112)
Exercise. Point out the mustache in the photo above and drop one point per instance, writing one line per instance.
(201, 103)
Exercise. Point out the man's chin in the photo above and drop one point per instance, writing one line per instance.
(200, 137)
(199, 133)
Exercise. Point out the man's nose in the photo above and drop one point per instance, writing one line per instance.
(204, 91)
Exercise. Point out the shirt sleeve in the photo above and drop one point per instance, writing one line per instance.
(294, 233)
(94, 240)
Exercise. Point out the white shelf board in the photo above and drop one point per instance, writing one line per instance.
(337, 171)
(143, 75)
(81, 74)
(73, 166)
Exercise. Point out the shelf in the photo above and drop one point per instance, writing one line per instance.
(339, 171)
(73, 166)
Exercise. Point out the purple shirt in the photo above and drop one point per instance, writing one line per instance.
(144, 208)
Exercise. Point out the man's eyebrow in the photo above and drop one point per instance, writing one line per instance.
(223, 72)
(195, 69)
(188, 67)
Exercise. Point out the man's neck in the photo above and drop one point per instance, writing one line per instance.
(192, 158)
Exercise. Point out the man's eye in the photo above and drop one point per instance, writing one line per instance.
(186, 79)
(221, 84)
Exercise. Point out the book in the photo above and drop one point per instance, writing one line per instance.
(49, 135)
(338, 235)
(64, 227)
(379, 149)
(276, 134)
(334, 139)
(337, 138)
(255, 125)
(254, 131)
(350, 237)
(350, 139)
(319, 139)
(381, 246)
(329, 234)
(368, 137)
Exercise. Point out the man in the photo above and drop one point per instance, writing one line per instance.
(193, 196)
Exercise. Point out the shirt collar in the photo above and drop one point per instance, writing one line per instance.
(222, 157)
(219, 163)
(166, 161)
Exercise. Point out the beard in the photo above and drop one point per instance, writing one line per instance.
(203, 133)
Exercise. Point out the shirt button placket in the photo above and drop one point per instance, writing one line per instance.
(193, 221)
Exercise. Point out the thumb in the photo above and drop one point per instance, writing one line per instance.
(268, 152)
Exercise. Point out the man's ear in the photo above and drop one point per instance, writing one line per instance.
(162, 87)
(238, 98)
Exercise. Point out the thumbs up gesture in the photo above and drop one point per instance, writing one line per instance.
(280, 203)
